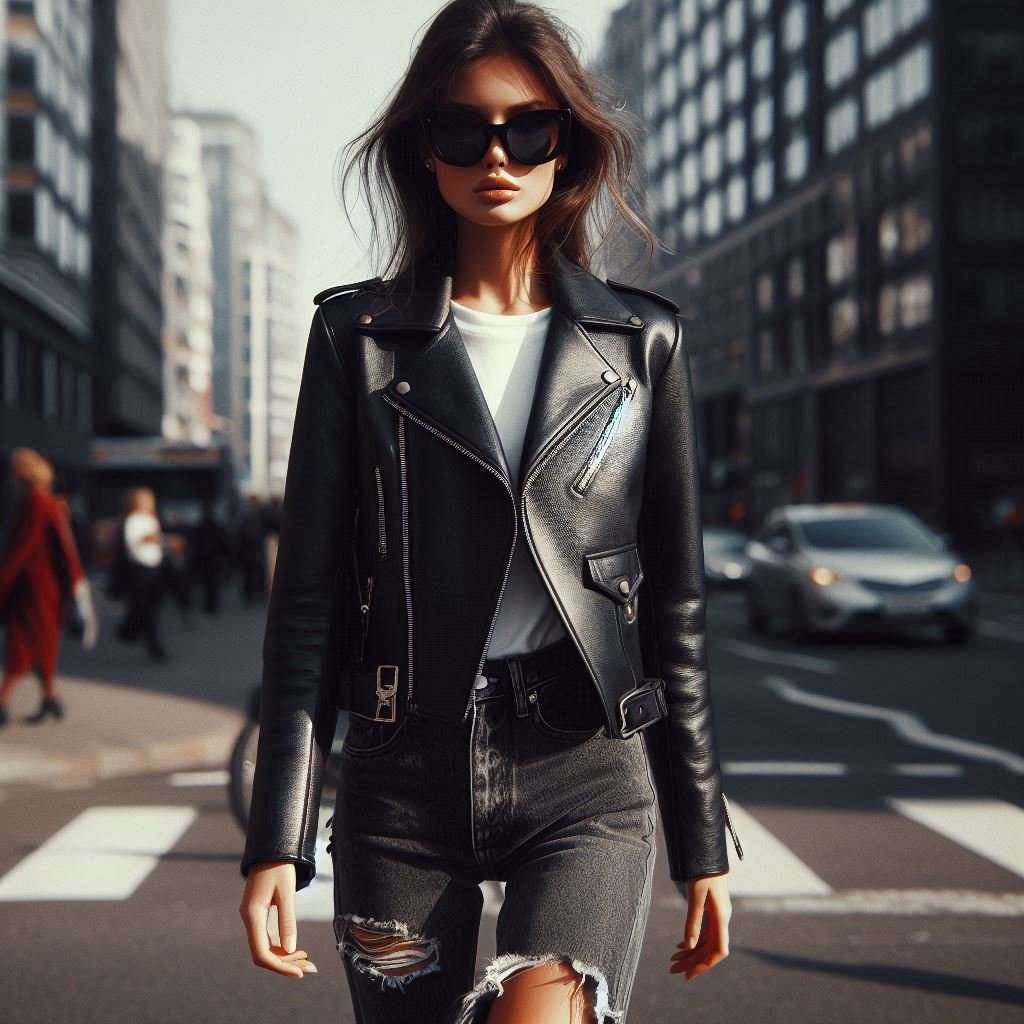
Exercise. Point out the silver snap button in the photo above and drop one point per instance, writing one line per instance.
(623, 586)
(532, 696)
(481, 682)
(608, 376)
(636, 320)
(403, 387)
(365, 318)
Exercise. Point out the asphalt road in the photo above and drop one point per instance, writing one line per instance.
(875, 785)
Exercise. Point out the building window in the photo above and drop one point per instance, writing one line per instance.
(10, 366)
(688, 70)
(888, 236)
(841, 256)
(85, 401)
(735, 144)
(668, 139)
(691, 176)
(691, 225)
(713, 213)
(690, 119)
(735, 79)
(795, 278)
(50, 370)
(711, 43)
(21, 138)
(759, 8)
(837, 8)
(668, 32)
(711, 158)
(21, 215)
(842, 322)
(761, 62)
(797, 157)
(880, 97)
(736, 197)
(887, 310)
(796, 93)
(915, 226)
(764, 179)
(914, 79)
(879, 26)
(841, 125)
(711, 100)
(841, 58)
(915, 301)
(734, 21)
(764, 290)
(794, 26)
(763, 114)
(910, 12)
(667, 90)
(669, 194)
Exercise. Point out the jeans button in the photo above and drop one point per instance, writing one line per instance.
(481, 683)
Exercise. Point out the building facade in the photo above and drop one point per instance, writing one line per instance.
(187, 290)
(47, 349)
(130, 146)
(840, 182)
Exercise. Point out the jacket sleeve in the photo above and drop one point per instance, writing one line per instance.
(298, 714)
(682, 747)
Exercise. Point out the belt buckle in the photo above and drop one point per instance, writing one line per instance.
(652, 692)
(386, 692)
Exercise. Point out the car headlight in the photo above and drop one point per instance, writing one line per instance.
(824, 576)
(962, 572)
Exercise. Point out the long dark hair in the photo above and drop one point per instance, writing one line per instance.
(412, 226)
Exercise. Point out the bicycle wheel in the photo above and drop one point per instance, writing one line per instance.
(240, 772)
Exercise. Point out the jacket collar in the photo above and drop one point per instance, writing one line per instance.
(435, 382)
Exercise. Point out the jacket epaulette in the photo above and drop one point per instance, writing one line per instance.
(663, 299)
(341, 289)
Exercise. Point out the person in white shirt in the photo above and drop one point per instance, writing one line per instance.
(143, 547)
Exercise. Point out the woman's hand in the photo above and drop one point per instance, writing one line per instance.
(706, 941)
(272, 883)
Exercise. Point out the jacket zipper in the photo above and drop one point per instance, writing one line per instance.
(732, 830)
(593, 463)
(402, 414)
(364, 603)
(382, 534)
(406, 574)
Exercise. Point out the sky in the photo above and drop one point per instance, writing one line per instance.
(308, 81)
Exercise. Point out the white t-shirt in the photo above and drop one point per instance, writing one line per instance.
(505, 350)
(139, 524)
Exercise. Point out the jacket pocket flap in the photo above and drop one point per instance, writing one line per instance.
(616, 573)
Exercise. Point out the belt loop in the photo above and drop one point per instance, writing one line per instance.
(515, 670)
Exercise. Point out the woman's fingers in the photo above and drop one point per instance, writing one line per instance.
(255, 917)
(694, 916)
(712, 945)
(286, 926)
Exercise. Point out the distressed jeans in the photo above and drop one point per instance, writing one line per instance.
(530, 791)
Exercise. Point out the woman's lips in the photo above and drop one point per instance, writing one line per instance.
(496, 195)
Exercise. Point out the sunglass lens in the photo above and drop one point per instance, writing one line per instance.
(457, 137)
(532, 136)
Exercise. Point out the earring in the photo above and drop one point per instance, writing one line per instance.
(430, 166)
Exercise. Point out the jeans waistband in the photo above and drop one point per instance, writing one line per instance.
(515, 673)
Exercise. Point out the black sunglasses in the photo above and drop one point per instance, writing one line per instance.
(461, 138)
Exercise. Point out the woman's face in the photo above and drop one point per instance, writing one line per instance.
(496, 88)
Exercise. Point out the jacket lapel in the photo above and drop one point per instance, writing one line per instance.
(434, 377)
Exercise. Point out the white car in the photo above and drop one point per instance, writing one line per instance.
(843, 566)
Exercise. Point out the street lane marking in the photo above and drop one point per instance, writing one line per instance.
(886, 902)
(994, 829)
(316, 901)
(104, 853)
(823, 666)
(784, 768)
(905, 724)
(927, 770)
(999, 631)
(769, 867)
(214, 778)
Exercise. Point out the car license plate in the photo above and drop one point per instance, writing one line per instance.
(908, 608)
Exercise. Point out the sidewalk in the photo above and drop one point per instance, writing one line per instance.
(125, 714)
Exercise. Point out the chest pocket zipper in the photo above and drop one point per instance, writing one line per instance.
(586, 475)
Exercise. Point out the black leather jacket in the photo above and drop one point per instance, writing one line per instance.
(400, 519)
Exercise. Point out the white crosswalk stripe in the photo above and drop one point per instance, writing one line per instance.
(105, 853)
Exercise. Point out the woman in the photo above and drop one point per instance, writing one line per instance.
(144, 571)
(40, 569)
(490, 555)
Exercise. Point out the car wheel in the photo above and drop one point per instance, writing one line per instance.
(799, 625)
(757, 621)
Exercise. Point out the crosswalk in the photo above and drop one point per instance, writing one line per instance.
(108, 852)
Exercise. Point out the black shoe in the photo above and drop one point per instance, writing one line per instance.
(52, 708)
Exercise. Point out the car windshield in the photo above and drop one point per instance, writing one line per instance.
(722, 541)
(885, 532)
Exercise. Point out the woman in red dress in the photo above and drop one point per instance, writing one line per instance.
(32, 590)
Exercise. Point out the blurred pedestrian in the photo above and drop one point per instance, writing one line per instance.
(144, 576)
(40, 573)
(251, 552)
(211, 552)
